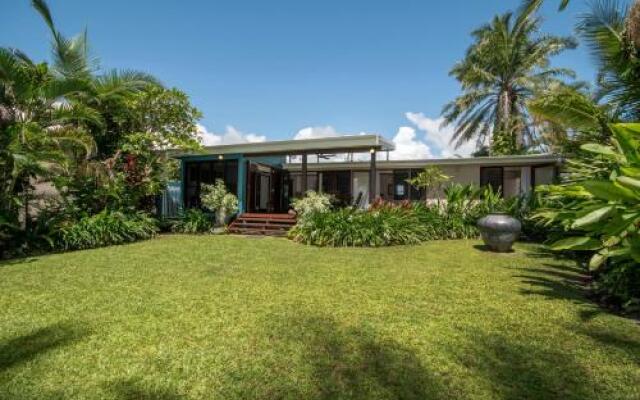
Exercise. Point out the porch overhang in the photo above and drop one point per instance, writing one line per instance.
(340, 144)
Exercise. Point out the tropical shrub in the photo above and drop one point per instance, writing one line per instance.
(216, 199)
(106, 229)
(601, 217)
(193, 220)
(312, 202)
(430, 180)
(386, 223)
(93, 133)
(351, 227)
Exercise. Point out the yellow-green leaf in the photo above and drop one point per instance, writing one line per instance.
(596, 261)
(578, 243)
(609, 191)
(593, 217)
(629, 182)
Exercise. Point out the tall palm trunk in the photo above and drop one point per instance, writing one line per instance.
(633, 24)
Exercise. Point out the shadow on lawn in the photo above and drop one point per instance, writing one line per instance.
(132, 389)
(335, 363)
(486, 249)
(626, 346)
(314, 357)
(27, 347)
(522, 369)
(555, 279)
(19, 260)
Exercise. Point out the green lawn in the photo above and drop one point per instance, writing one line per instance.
(200, 317)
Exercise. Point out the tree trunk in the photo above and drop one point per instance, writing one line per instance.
(633, 24)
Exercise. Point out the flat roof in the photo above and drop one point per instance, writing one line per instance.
(515, 160)
(339, 144)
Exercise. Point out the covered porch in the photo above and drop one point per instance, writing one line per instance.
(256, 173)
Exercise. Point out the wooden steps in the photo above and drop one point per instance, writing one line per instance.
(262, 224)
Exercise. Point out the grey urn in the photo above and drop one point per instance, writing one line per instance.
(499, 231)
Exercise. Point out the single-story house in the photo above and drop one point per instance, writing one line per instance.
(355, 169)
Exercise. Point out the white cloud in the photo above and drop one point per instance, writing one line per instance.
(408, 146)
(440, 137)
(425, 139)
(319, 132)
(231, 135)
(406, 142)
(316, 132)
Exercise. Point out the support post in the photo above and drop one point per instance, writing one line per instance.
(372, 177)
(304, 174)
(242, 185)
(183, 186)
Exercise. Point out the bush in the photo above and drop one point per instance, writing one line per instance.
(105, 229)
(350, 227)
(311, 203)
(387, 223)
(216, 199)
(193, 220)
(601, 216)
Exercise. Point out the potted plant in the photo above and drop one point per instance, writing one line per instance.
(216, 199)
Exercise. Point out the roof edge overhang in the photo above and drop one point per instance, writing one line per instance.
(339, 144)
(520, 160)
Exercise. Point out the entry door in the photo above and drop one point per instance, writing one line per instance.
(263, 191)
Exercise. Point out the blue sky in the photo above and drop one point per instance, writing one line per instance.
(273, 68)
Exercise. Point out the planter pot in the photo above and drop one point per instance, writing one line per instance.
(223, 218)
(499, 231)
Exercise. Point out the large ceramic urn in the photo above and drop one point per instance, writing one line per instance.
(499, 231)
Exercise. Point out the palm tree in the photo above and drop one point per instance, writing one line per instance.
(582, 116)
(569, 116)
(612, 33)
(508, 62)
(531, 5)
(105, 92)
(38, 127)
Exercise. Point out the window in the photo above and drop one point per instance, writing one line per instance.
(400, 185)
(543, 175)
(296, 183)
(337, 183)
(492, 176)
(207, 172)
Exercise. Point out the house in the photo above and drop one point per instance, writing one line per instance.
(355, 169)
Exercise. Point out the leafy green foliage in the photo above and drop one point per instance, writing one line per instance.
(570, 116)
(610, 31)
(386, 224)
(192, 221)
(602, 216)
(349, 227)
(312, 202)
(217, 199)
(430, 180)
(106, 229)
(92, 132)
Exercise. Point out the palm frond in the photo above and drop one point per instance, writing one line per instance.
(43, 9)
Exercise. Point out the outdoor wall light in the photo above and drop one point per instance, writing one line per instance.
(220, 157)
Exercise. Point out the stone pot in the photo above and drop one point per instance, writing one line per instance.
(499, 231)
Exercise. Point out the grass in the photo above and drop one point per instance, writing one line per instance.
(201, 317)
